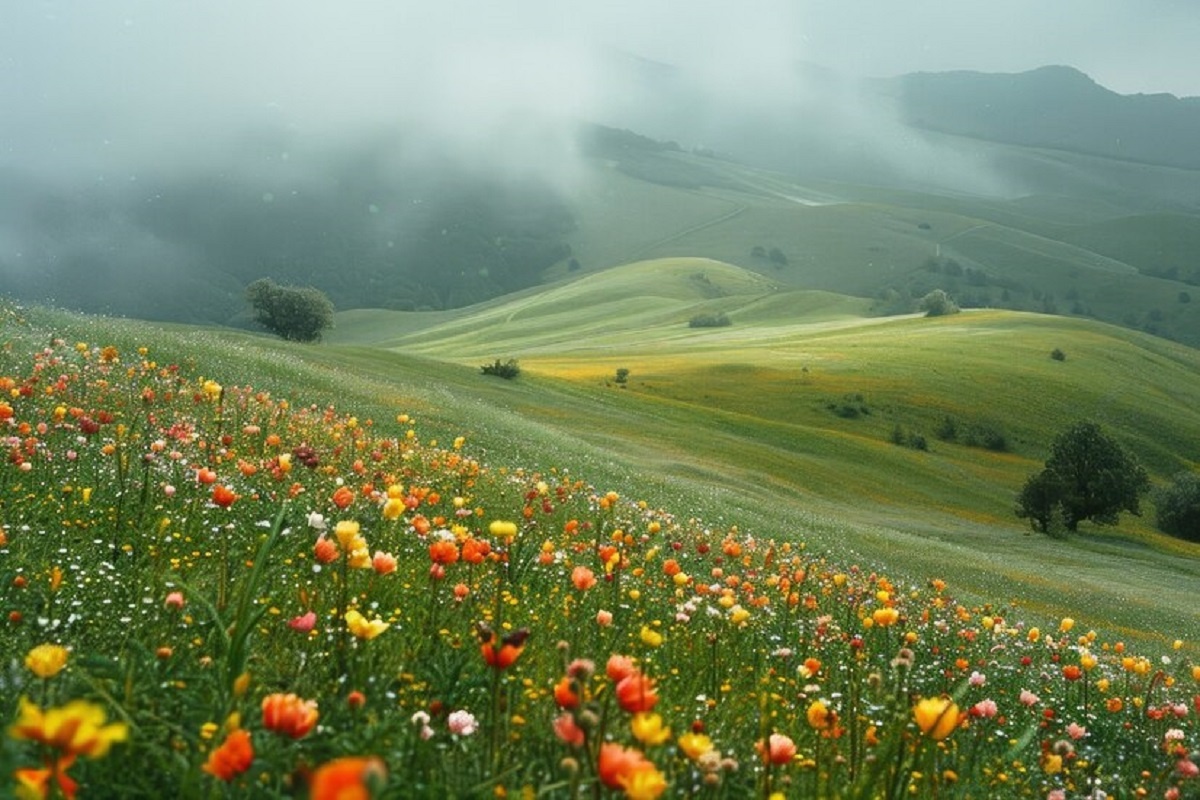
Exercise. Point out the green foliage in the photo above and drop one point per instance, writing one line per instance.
(1058, 355)
(1088, 476)
(296, 313)
(938, 304)
(904, 438)
(502, 369)
(850, 406)
(622, 375)
(1178, 507)
(710, 319)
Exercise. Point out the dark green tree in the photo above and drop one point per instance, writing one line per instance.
(1088, 476)
(296, 313)
(1177, 507)
(938, 304)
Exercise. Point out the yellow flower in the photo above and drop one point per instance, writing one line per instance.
(651, 637)
(363, 628)
(76, 729)
(503, 530)
(884, 617)
(1066, 624)
(937, 717)
(738, 614)
(819, 716)
(393, 508)
(644, 784)
(46, 660)
(1052, 763)
(649, 729)
(347, 534)
(213, 390)
(695, 745)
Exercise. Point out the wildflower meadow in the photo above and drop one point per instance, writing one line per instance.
(209, 590)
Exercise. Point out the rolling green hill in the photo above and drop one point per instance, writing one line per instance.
(786, 417)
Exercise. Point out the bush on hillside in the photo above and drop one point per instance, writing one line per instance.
(502, 369)
(1058, 355)
(938, 304)
(1088, 476)
(710, 320)
(1178, 507)
(296, 313)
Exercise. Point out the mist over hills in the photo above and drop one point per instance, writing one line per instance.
(1039, 190)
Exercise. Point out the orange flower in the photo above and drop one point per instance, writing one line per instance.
(343, 497)
(383, 563)
(474, 551)
(568, 730)
(232, 758)
(36, 782)
(619, 667)
(501, 656)
(778, 749)
(820, 717)
(325, 551)
(636, 693)
(565, 694)
(223, 496)
(349, 778)
(1072, 672)
(443, 552)
(289, 715)
(583, 578)
(617, 764)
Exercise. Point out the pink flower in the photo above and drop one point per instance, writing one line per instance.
(1186, 768)
(174, 600)
(1076, 731)
(462, 723)
(604, 618)
(977, 679)
(568, 730)
(303, 623)
(984, 708)
(1028, 698)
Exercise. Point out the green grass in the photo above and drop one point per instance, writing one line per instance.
(742, 414)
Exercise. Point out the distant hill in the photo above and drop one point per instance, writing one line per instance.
(1054, 107)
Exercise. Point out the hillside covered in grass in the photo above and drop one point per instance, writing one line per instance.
(244, 567)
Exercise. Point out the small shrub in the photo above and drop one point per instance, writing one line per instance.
(947, 430)
(851, 406)
(1177, 507)
(710, 320)
(502, 369)
(622, 375)
(1058, 355)
(938, 304)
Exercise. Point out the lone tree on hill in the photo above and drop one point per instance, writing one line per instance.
(297, 313)
(1088, 476)
(1178, 507)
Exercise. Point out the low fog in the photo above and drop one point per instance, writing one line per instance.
(133, 134)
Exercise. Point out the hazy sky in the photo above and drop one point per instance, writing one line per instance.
(86, 80)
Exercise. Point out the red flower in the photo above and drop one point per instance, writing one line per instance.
(443, 552)
(325, 551)
(223, 496)
(349, 778)
(232, 758)
(617, 764)
(1072, 672)
(289, 715)
(502, 655)
(636, 693)
(565, 694)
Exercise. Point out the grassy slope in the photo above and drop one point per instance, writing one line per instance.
(733, 423)
(855, 239)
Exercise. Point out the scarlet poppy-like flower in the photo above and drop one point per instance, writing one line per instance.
(443, 552)
(937, 717)
(474, 551)
(583, 578)
(342, 497)
(636, 693)
(619, 667)
(618, 763)
(46, 660)
(383, 563)
(232, 758)
(565, 694)
(778, 749)
(568, 730)
(325, 551)
(349, 778)
(303, 623)
(206, 476)
(223, 496)
(501, 654)
(289, 714)
(1072, 672)
(76, 729)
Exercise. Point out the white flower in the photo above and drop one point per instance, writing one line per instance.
(462, 723)
(317, 521)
